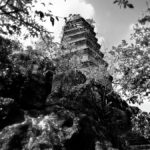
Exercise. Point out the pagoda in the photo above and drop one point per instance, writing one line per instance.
(80, 33)
(84, 48)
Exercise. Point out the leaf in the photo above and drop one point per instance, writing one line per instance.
(14, 27)
(145, 43)
(28, 1)
(10, 32)
(57, 18)
(43, 4)
(133, 99)
(46, 14)
(112, 53)
(144, 19)
(125, 6)
(130, 5)
(65, 19)
(41, 14)
(52, 20)
(26, 36)
(116, 1)
(3, 32)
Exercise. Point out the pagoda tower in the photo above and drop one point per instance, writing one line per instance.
(80, 33)
(85, 51)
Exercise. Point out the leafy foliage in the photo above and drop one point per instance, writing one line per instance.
(141, 123)
(124, 3)
(6, 49)
(61, 54)
(24, 74)
(132, 65)
(15, 14)
(47, 47)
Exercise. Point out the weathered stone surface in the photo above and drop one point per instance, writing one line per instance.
(88, 99)
(78, 115)
(45, 133)
(63, 82)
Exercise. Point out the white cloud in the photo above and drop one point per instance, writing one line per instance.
(101, 40)
(62, 9)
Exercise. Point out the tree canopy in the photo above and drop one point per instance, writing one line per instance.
(15, 14)
(132, 64)
(141, 123)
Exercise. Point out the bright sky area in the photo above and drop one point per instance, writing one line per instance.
(112, 23)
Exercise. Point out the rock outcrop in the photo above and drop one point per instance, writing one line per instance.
(79, 114)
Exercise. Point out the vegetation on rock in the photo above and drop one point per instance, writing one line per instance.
(24, 74)
(74, 112)
(141, 123)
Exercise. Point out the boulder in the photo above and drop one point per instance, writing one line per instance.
(109, 115)
(63, 82)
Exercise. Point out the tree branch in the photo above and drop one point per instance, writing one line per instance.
(5, 4)
(22, 21)
(115, 82)
(11, 12)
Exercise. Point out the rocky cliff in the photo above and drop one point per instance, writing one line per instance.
(78, 114)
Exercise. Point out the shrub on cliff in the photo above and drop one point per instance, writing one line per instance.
(24, 74)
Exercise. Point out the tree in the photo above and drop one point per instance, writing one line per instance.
(7, 47)
(132, 65)
(15, 14)
(46, 46)
(24, 74)
(141, 123)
